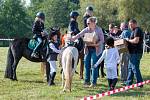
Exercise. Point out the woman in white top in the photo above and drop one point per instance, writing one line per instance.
(111, 59)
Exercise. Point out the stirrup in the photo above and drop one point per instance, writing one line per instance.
(34, 55)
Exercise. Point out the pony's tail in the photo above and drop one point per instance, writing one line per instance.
(68, 72)
(10, 60)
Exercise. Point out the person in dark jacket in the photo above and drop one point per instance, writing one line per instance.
(88, 13)
(73, 25)
(37, 29)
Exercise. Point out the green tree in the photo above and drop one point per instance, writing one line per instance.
(105, 10)
(56, 11)
(14, 20)
(137, 9)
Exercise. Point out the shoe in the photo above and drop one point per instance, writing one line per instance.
(92, 86)
(140, 86)
(86, 83)
(124, 84)
(111, 88)
(51, 83)
(34, 55)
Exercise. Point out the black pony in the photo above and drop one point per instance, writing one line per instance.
(18, 49)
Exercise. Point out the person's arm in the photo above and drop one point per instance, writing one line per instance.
(134, 41)
(117, 56)
(101, 35)
(100, 59)
(79, 35)
(51, 45)
(122, 35)
(137, 34)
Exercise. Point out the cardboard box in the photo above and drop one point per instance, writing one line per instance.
(122, 45)
(90, 38)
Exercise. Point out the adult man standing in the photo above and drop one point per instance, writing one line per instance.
(124, 56)
(135, 46)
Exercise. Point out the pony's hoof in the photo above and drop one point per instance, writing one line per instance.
(81, 77)
(14, 79)
(64, 90)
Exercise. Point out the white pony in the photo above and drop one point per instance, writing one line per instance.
(69, 64)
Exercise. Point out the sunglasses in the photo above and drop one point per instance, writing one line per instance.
(88, 23)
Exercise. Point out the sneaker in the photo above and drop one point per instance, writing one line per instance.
(86, 84)
(123, 83)
(140, 86)
(51, 83)
(92, 86)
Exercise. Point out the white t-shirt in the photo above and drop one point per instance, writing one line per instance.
(111, 59)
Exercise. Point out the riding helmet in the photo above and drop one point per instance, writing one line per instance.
(52, 33)
(89, 8)
(55, 28)
(40, 15)
(74, 14)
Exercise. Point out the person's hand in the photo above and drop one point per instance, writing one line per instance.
(70, 39)
(95, 65)
(127, 39)
(117, 65)
(42, 33)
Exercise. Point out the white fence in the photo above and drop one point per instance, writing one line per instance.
(145, 46)
(5, 42)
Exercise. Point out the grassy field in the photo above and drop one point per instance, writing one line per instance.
(30, 85)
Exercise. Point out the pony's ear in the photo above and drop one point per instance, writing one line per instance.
(58, 29)
(51, 29)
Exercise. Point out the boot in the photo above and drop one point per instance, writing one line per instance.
(51, 79)
(114, 81)
(48, 72)
(110, 84)
(34, 53)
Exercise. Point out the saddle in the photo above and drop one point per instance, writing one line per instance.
(79, 44)
(32, 44)
(41, 52)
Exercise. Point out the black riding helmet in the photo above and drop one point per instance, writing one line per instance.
(74, 14)
(89, 8)
(56, 28)
(52, 33)
(40, 15)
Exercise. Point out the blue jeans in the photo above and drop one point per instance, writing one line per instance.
(39, 40)
(89, 60)
(133, 69)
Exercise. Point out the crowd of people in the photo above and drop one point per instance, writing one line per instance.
(101, 49)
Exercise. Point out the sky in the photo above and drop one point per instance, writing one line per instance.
(27, 2)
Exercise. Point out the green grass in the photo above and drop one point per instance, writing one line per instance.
(31, 87)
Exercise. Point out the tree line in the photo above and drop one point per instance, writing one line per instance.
(16, 19)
